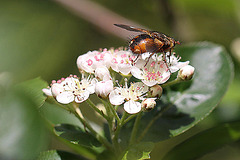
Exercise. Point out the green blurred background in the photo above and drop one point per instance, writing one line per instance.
(44, 38)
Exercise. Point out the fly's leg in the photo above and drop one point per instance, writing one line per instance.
(148, 59)
(165, 61)
(169, 55)
(136, 58)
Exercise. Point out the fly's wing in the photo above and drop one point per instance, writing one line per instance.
(134, 29)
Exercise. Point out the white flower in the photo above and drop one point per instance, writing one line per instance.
(93, 59)
(103, 88)
(174, 64)
(155, 72)
(186, 73)
(71, 89)
(122, 61)
(131, 95)
(145, 56)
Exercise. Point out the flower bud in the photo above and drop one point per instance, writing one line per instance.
(155, 91)
(186, 73)
(103, 88)
(102, 73)
(148, 104)
(102, 108)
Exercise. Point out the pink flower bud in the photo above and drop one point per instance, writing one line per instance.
(186, 73)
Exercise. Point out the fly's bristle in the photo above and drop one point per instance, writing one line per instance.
(130, 38)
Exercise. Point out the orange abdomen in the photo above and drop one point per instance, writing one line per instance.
(144, 43)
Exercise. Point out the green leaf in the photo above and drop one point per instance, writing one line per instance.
(86, 152)
(56, 115)
(80, 141)
(139, 151)
(183, 105)
(76, 135)
(206, 141)
(106, 155)
(22, 130)
(33, 88)
(59, 155)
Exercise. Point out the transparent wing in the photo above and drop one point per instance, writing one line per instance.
(134, 29)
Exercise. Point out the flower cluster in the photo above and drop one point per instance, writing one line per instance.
(99, 68)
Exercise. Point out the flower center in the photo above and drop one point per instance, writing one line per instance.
(154, 71)
(134, 92)
(75, 86)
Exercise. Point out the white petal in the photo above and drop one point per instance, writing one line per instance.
(47, 91)
(178, 66)
(70, 83)
(144, 88)
(139, 63)
(124, 68)
(100, 72)
(115, 97)
(94, 81)
(114, 67)
(146, 55)
(56, 89)
(149, 83)
(85, 62)
(107, 78)
(108, 59)
(82, 97)
(91, 87)
(173, 69)
(132, 107)
(103, 88)
(165, 77)
(136, 72)
(65, 97)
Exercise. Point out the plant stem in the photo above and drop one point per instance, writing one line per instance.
(117, 131)
(123, 118)
(135, 128)
(177, 80)
(91, 104)
(129, 118)
(151, 122)
(119, 126)
(109, 113)
(110, 120)
(114, 112)
(79, 115)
